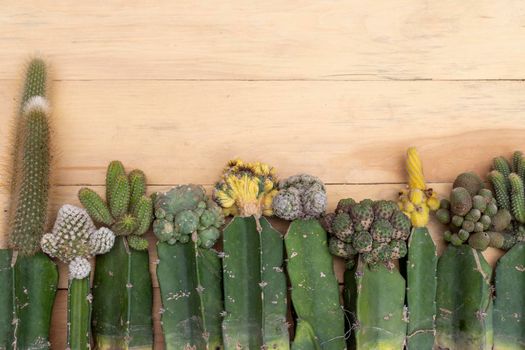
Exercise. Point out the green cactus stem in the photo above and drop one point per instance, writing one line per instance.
(509, 305)
(315, 291)
(517, 197)
(79, 314)
(464, 301)
(191, 291)
(421, 289)
(122, 275)
(35, 283)
(499, 183)
(379, 321)
(254, 286)
(6, 299)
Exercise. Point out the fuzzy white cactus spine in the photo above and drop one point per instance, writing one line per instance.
(74, 239)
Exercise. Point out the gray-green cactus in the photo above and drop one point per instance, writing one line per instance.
(473, 217)
(189, 272)
(73, 240)
(128, 211)
(185, 213)
(123, 273)
(300, 197)
(320, 325)
(28, 286)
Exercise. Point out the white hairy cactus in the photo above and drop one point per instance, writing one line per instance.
(74, 239)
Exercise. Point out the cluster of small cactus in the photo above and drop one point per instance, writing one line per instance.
(300, 197)
(185, 213)
(128, 211)
(74, 239)
(508, 183)
(417, 200)
(473, 216)
(246, 189)
(377, 230)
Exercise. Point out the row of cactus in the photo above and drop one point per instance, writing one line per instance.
(122, 274)
(28, 277)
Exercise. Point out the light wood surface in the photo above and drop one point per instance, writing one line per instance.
(338, 89)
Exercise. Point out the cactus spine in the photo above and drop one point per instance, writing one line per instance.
(421, 264)
(320, 319)
(189, 272)
(464, 301)
(254, 282)
(29, 286)
(123, 273)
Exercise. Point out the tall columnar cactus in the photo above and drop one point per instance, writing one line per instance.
(473, 216)
(28, 286)
(315, 291)
(73, 240)
(507, 179)
(123, 273)
(376, 234)
(189, 272)
(422, 258)
(254, 281)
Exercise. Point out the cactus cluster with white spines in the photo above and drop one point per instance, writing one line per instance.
(74, 239)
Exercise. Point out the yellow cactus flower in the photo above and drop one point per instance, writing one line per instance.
(417, 202)
(246, 189)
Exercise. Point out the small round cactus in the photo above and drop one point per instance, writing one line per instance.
(300, 197)
(375, 230)
(472, 214)
(185, 214)
(74, 239)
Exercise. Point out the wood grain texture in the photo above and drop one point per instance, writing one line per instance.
(338, 89)
(345, 132)
(401, 39)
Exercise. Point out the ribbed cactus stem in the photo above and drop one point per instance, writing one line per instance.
(502, 165)
(518, 164)
(517, 197)
(78, 314)
(95, 206)
(137, 180)
(416, 179)
(499, 183)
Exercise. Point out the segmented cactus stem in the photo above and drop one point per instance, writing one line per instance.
(499, 183)
(517, 196)
(517, 163)
(143, 211)
(416, 179)
(502, 165)
(119, 197)
(137, 180)
(95, 206)
(115, 169)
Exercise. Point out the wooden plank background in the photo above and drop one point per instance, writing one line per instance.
(338, 89)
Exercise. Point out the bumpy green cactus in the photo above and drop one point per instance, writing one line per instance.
(320, 324)
(123, 273)
(376, 230)
(74, 240)
(464, 301)
(377, 233)
(189, 272)
(473, 215)
(28, 286)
